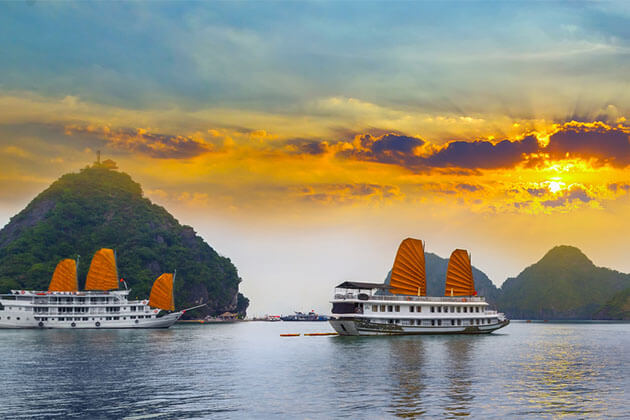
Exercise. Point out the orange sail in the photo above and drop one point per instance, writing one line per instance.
(64, 278)
(459, 278)
(408, 275)
(162, 293)
(103, 274)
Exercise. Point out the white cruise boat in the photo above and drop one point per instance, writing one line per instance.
(100, 305)
(402, 307)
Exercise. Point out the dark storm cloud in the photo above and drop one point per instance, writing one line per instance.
(589, 141)
(619, 186)
(389, 148)
(156, 145)
(468, 187)
(536, 192)
(307, 147)
(483, 154)
(576, 193)
(604, 144)
(347, 193)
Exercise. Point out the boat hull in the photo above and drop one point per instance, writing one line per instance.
(364, 327)
(159, 322)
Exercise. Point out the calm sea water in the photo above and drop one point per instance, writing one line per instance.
(247, 370)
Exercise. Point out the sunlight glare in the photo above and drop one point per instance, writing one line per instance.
(555, 186)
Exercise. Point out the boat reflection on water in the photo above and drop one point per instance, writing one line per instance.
(406, 369)
(414, 363)
(458, 372)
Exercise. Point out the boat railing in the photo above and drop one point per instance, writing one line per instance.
(405, 298)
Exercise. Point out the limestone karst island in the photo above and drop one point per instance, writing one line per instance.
(101, 207)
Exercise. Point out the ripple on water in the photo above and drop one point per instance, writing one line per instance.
(247, 371)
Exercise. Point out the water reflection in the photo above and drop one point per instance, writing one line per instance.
(560, 379)
(406, 372)
(85, 370)
(459, 374)
(248, 371)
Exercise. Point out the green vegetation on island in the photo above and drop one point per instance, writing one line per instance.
(564, 284)
(100, 207)
(617, 308)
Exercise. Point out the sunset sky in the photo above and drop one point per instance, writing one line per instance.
(306, 140)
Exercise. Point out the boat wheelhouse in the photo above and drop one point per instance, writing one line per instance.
(401, 306)
(100, 305)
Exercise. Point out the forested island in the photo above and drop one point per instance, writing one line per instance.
(563, 285)
(102, 207)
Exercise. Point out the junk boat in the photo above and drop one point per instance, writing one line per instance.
(100, 305)
(401, 306)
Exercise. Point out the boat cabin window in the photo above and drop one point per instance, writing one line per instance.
(459, 309)
(432, 308)
(452, 322)
(433, 322)
(397, 307)
(411, 308)
(465, 309)
(439, 308)
(477, 309)
(338, 308)
(390, 308)
(419, 322)
(382, 308)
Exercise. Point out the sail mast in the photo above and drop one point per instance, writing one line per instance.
(76, 273)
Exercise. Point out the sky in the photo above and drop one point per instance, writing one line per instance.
(306, 140)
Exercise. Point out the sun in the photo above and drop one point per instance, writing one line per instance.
(555, 186)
